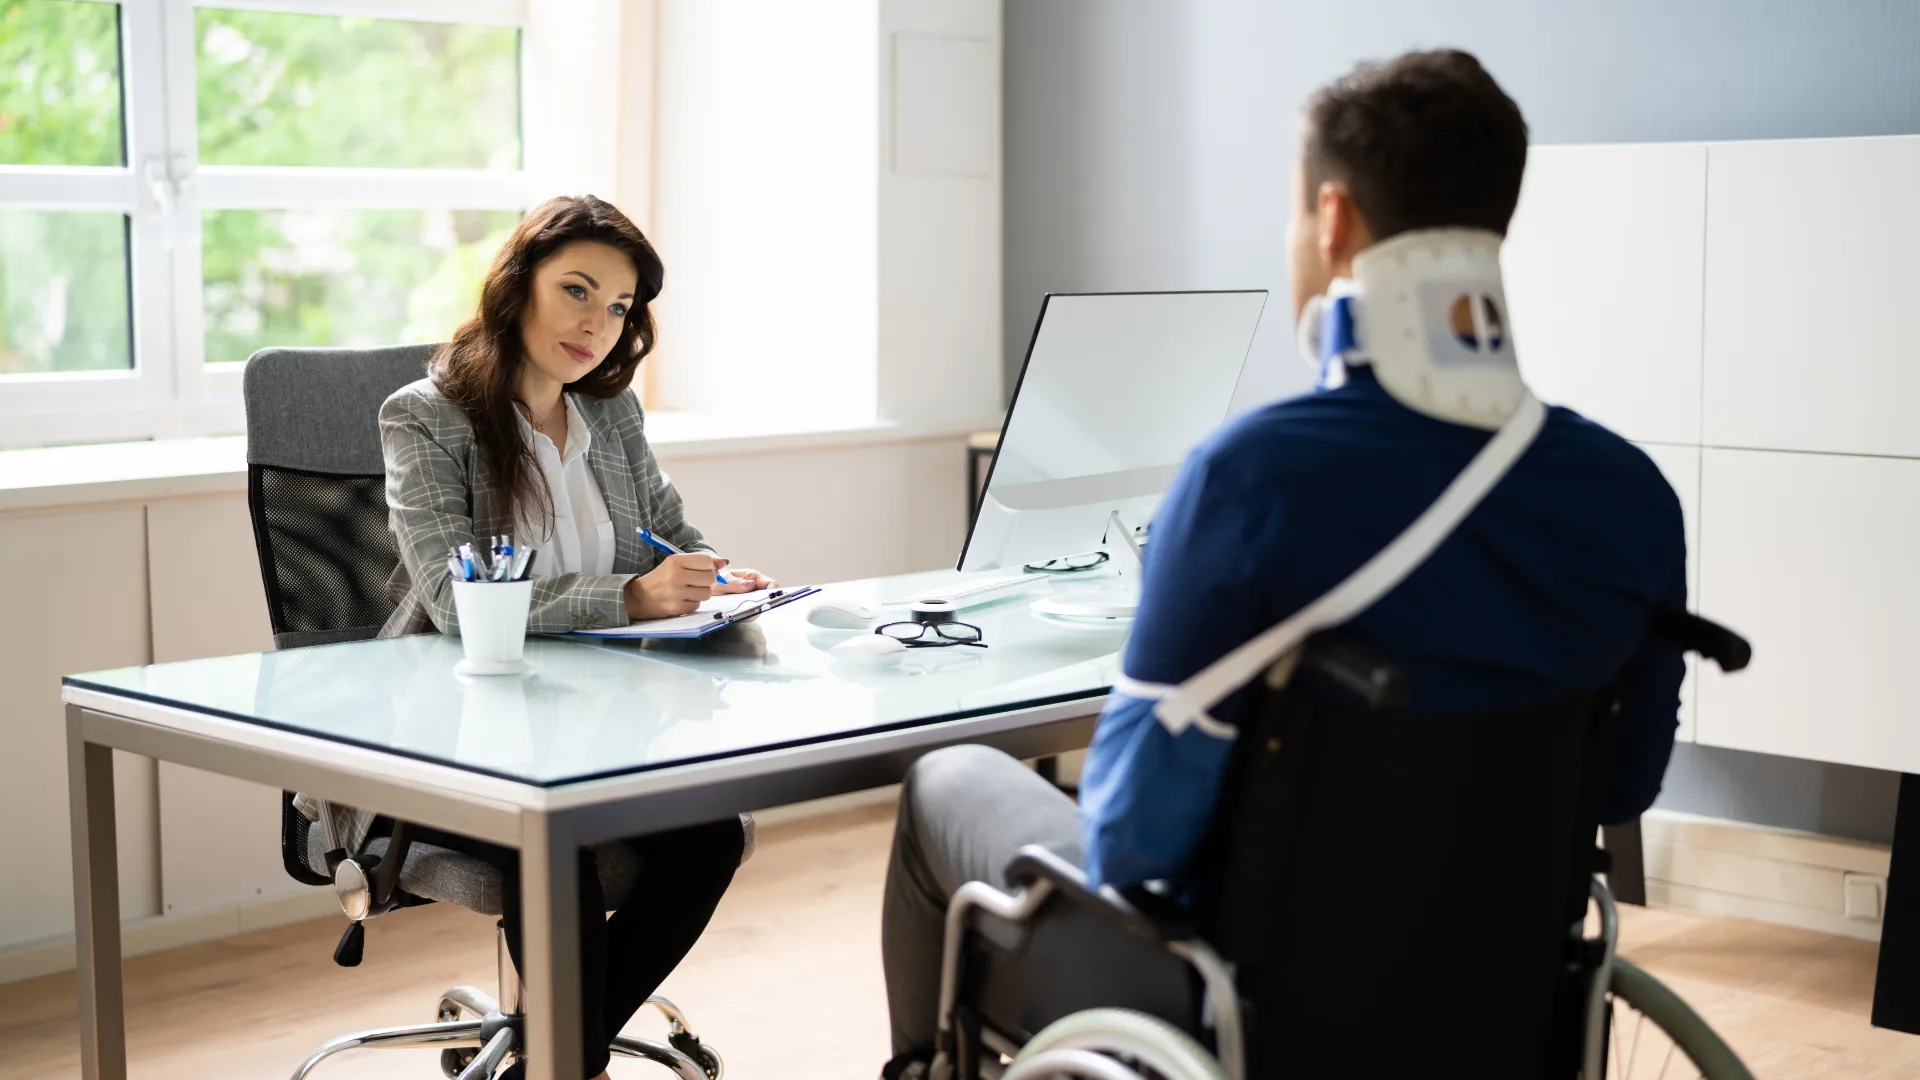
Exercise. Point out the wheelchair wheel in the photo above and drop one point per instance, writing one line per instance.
(1103, 1044)
(1652, 1033)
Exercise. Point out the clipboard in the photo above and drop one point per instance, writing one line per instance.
(715, 614)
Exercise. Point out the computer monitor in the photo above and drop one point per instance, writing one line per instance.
(1117, 389)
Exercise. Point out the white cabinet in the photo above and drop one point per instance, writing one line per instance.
(1602, 268)
(1816, 559)
(1748, 312)
(1681, 466)
(1813, 295)
(219, 837)
(77, 601)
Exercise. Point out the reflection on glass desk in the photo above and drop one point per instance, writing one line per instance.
(600, 708)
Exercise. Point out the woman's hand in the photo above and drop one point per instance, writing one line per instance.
(741, 581)
(675, 587)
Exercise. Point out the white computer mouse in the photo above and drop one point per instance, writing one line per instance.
(841, 615)
(868, 650)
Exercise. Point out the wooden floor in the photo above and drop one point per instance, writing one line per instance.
(787, 984)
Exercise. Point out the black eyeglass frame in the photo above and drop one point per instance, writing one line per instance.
(1052, 566)
(939, 630)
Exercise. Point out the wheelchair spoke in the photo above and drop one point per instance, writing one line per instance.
(1633, 1044)
(1613, 1035)
(1666, 1061)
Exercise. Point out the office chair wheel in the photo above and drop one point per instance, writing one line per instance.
(455, 1062)
(1652, 1033)
(703, 1055)
(1114, 1044)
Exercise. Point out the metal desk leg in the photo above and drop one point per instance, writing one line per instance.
(1896, 986)
(549, 890)
(1628, 879)
(96, 906)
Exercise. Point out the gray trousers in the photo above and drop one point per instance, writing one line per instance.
(964, 812)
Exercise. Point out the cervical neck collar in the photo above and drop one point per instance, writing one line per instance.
(1427, 312)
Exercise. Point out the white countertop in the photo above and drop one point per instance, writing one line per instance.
(43, 477)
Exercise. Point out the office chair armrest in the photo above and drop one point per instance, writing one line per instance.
(1704, 636)
(385, 883)
(1134, 910)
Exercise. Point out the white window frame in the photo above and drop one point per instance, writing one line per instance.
(162, 189)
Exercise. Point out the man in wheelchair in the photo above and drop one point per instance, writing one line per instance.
(1507, 561)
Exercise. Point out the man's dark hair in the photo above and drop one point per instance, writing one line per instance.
(1427, 140)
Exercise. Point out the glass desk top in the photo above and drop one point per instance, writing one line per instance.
(595, 708)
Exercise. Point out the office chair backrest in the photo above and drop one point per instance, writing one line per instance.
(316, 491)
(1402, 887)
(316, 487)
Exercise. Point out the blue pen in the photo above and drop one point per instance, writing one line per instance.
(668, 548)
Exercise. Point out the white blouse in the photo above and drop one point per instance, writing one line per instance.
(582, 539)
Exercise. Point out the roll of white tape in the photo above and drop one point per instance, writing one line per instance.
(934, 610)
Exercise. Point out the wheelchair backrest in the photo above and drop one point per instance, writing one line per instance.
(1396, 892)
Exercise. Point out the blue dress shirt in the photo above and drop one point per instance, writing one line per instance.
(1547, 589)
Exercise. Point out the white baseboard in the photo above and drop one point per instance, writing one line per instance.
(1779, 876)
(142, 936)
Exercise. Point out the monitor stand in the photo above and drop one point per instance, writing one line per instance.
(1121, 603)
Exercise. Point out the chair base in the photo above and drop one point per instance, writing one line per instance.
(495, 1038)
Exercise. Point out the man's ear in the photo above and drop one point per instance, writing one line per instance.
(1336, 222)
(1344, 231)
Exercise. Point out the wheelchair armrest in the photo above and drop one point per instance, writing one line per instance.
(1136, 911)
(1704, 636)
(1356, 668)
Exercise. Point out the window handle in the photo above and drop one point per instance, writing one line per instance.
(165, 178)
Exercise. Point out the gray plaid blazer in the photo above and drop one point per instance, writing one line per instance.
(439, 495)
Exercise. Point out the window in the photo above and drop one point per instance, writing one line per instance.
(183, 183)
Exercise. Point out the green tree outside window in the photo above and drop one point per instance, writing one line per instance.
(63, 273)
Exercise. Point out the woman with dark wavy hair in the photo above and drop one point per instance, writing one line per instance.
(527, 425)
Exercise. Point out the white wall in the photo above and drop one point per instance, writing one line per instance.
(834, 513)
(939, 211)
(826, 196)
(573, 71)
(765, 178)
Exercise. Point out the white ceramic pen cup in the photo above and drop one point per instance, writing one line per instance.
(493, 626)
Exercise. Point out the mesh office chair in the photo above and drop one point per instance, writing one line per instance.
(1371, 906)
(316, 490)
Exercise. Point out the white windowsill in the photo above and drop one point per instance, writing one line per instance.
(47, 477)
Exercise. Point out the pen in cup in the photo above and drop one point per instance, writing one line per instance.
(666, 547)
(503, 558)
(508, 563)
